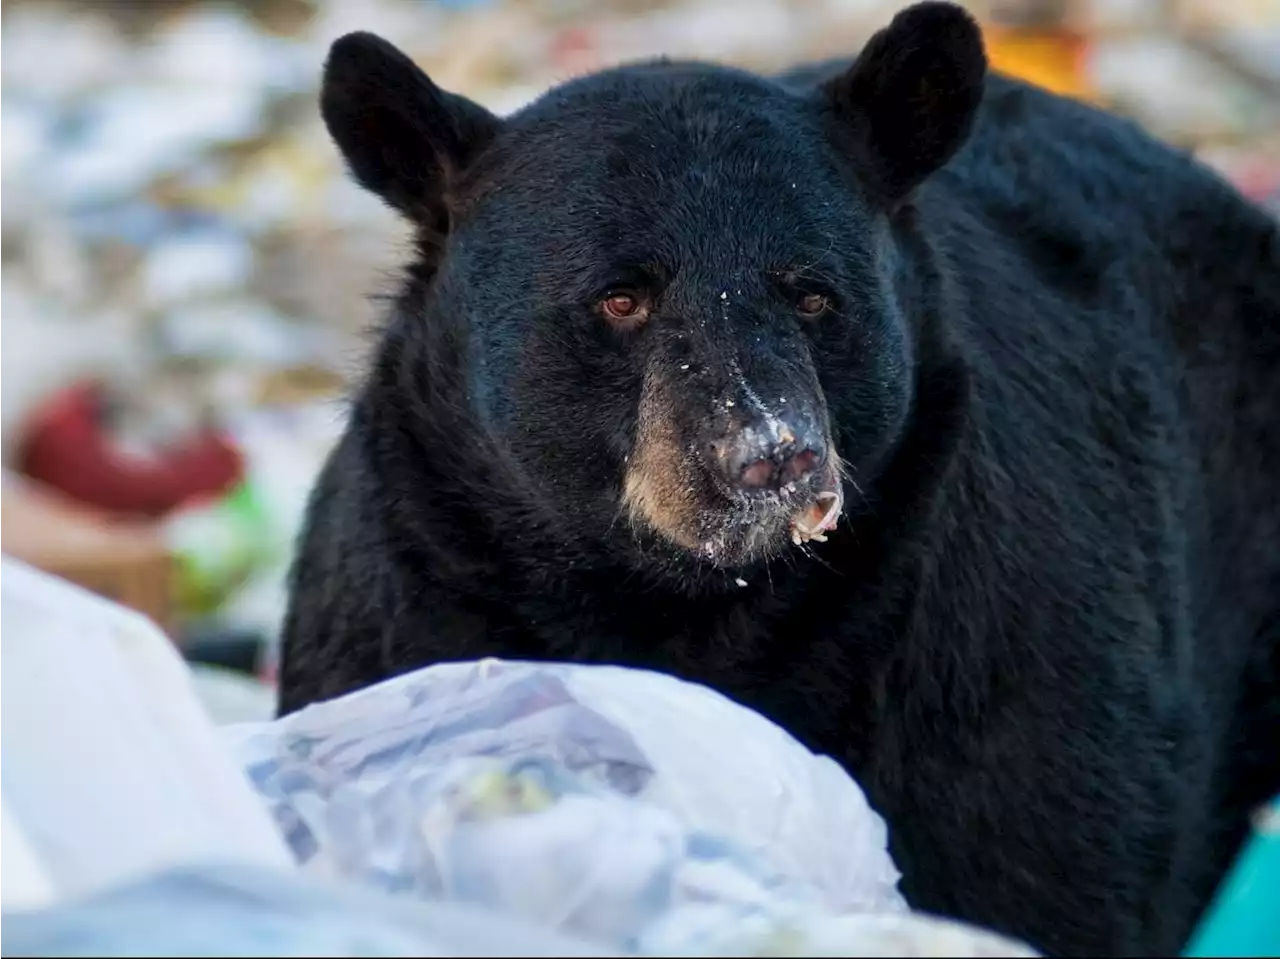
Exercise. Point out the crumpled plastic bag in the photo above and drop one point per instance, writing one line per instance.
(631, 809)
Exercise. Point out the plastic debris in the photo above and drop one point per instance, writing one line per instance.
(622, 807)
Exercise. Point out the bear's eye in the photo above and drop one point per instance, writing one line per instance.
(624, 309)
(812, 304)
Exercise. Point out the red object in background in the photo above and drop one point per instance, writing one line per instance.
(1255, 175)
(67, 447)
(574, 51)
(1261, 183)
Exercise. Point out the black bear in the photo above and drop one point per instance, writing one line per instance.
(931, 415)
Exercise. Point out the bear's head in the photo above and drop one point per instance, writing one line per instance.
(664, 294)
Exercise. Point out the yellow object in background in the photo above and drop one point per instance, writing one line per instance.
(1052, 58)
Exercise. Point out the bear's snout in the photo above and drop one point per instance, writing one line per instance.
(769, 453)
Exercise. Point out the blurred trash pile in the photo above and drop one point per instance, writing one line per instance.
(187, 270)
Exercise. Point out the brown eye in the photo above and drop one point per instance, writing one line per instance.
(813, 304)
(624, 310)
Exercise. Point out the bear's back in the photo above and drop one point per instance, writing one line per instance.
(1091, 253)
(1122, 307)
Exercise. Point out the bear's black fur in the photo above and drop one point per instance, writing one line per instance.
(1035, 351)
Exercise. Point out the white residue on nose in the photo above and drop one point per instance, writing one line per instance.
(753, 398)
(775, 431)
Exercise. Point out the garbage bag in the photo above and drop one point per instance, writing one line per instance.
(629, 808)
(112, 769)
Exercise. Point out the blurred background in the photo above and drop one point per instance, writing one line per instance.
(187, 271)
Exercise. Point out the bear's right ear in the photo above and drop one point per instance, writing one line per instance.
(911, 97)
(403, 137)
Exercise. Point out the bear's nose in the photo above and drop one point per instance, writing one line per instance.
(767, 456)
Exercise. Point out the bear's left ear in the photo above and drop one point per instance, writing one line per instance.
(911, 97)
(403, 137)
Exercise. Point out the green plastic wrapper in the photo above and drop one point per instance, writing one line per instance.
(217, 546)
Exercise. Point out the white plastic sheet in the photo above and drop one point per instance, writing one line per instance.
(111, 768)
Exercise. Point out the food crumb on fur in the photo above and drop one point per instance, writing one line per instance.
(813, 523)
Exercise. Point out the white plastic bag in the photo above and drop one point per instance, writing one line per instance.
(111, 768)
(628, 808)
(27, 883)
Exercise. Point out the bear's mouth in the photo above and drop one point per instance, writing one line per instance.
(813, 522)
(796, 515)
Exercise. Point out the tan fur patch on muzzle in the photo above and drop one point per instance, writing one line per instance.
(658, 489)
